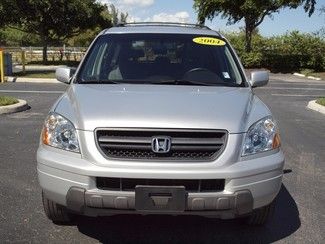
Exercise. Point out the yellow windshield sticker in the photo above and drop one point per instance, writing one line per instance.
(209, 41)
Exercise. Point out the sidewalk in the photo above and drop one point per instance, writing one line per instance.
(18, 68)
(31, 80)
(292, 78)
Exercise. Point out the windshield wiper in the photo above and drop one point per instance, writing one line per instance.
(181, 82)
(124, 81)
(192, 82)
(99, 82)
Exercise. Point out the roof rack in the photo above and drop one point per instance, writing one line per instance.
(162, 24)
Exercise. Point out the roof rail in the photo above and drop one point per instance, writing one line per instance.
(162, 24)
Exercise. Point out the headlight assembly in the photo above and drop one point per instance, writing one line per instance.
(60, 133)
(261, 136)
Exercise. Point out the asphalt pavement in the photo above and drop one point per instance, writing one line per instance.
(299, 214)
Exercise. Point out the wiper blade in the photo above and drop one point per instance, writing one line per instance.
(181, 82)
(192, 82)
(99, 82)
(197, 83)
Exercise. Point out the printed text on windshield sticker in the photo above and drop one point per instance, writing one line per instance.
(209, 41)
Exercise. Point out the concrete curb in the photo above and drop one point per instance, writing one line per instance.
(14, 108)
(32, 80)
(308, 77)
(316, 107)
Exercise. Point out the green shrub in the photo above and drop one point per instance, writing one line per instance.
(289, 52)
(252, 59)
(13, 37)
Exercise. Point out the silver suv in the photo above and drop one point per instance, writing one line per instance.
(160, 119)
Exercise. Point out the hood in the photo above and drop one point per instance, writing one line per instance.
(159, 106)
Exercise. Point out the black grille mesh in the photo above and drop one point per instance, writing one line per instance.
(125, 184)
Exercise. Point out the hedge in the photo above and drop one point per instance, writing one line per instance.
(293, 51)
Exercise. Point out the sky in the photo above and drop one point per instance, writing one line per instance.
(182, 11)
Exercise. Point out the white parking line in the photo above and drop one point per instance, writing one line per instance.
(23, 91)
(296, 80)
(293, 88)
(294, 95)
(297, 84)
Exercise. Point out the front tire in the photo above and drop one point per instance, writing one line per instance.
(261, 215)
(55, 212)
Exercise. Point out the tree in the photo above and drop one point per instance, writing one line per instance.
(116, 16)
(2, 17)
(322, 10)
(321, 32)
(54, 20)
(252, 12)
(111, 13)
(14, 37)
(6, 16)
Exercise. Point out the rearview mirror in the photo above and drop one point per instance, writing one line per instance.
(64, 74)
(259, 78)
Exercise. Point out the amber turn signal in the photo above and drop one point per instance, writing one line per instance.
(276, 141)
(45, 136)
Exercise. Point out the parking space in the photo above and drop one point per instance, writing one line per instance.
(303, 137)
(299, 215)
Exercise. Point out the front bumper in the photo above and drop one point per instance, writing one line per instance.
(97, 203)
(70, 180)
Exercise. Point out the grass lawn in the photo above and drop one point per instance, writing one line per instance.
(309, 72)
(5, 100)
(36, 74)
(321, 101)
(319, 74)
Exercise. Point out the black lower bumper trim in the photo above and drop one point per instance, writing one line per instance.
(110, 203)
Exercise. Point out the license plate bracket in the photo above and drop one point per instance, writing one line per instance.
(160, 198)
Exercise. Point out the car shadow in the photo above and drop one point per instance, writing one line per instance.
(189, 229)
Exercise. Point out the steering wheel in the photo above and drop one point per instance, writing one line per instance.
(202, 75)
(197, 70)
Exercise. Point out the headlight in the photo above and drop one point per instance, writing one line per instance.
(60, 132)
(261, 136)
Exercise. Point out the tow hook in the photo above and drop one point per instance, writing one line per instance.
(287, 171)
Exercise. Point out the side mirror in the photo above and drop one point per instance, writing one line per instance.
(64, 74)
(259, 78)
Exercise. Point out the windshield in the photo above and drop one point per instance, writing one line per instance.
(160, 59)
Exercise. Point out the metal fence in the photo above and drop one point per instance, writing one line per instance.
(26, 55)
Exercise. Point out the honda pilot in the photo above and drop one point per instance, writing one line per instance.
(160, 118)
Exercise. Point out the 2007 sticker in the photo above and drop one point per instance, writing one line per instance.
(209, 41)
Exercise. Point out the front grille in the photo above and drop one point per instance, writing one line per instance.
(124, 184)
(185, 145)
